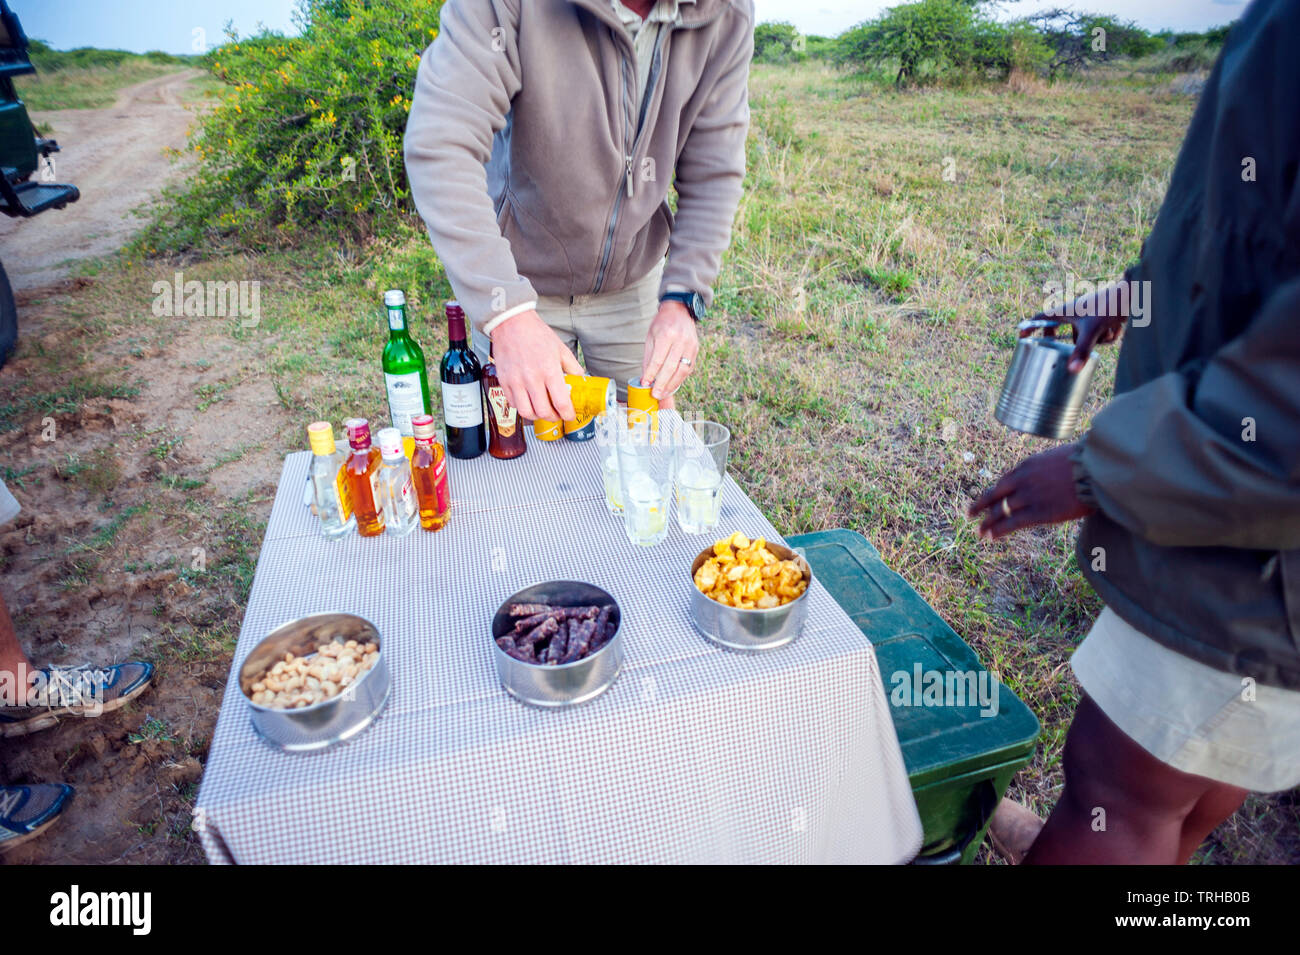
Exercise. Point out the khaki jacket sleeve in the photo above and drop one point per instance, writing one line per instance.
(709, 175)
(463, 90)
(1208, 455)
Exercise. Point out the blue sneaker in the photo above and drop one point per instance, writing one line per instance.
(76, 691)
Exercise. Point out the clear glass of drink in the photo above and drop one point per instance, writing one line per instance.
(608, 424)
(647, 468)
(702, 467)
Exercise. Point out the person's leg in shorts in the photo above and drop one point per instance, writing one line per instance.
(1153, 813)
(1162, 749)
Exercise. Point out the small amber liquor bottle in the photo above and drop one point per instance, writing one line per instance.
(429, 469)
(362, 475)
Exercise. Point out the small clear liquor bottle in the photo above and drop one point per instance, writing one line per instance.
(401, 509)
(329, 489)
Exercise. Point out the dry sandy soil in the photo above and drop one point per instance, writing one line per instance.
(100, 565)
(115, 157)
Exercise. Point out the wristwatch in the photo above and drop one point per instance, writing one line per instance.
(693, 301)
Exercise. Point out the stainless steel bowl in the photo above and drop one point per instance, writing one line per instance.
(749, 630)
(566, 684)
(1039, 395)
(331, 721)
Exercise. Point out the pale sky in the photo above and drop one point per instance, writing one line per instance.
(177, 26)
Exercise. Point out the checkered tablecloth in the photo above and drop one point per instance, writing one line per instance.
(696, 754)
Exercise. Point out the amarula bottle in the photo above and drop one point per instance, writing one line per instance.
(505, 430)
(361, 475)
(395, 480)
(405, 376)
(462, 402)
(429, 470)
(329, 488)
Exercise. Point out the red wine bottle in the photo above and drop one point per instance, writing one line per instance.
(462, 395)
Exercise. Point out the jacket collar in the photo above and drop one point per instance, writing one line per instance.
(693, 14)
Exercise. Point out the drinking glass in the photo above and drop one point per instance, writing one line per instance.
(608, 425)
(703, 464)
(647, 468)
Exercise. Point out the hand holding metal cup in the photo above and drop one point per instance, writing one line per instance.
(1040, 395)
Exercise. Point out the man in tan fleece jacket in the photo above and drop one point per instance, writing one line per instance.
(542, 140)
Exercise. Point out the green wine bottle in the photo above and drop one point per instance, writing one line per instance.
(405, 377)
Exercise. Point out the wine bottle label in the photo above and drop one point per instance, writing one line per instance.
(396, 319)
(345, 499)
(462, 405)
(405, 398)
(504, 413)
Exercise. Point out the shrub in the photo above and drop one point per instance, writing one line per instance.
(820, 47)
(307, 136)
(1182, 59)
(938, 34)
(949, 38)
(48, 60)
(778, 43)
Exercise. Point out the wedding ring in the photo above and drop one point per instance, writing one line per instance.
(686, 361)
(1006, 508)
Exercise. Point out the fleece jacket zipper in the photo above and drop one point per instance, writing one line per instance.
(625, 189)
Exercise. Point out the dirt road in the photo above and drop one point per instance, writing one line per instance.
(115, 156)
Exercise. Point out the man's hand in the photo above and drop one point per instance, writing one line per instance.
(1038, 490)
(671, 339)
(531, 364)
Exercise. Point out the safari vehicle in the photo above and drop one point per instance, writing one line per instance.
(21, 152)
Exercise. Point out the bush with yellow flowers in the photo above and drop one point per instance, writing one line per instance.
(306, 133)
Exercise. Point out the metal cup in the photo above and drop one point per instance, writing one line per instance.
(1040, 396)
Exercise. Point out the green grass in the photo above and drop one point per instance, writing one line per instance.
(93, 87)
(18, 402)
(98, 472)
(103, 537)
(151, 730)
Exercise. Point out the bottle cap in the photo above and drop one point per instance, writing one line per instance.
(390, 442)
(455, 322)
(423, 427)
(394, 297)
(321, 437)
(358, 433)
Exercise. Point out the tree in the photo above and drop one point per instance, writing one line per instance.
(1078, 40)
(778, 42)
(942, 36)
(939, 32)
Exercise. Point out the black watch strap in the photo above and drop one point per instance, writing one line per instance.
(692, 300)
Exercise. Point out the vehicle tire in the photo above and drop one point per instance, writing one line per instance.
(8, 319)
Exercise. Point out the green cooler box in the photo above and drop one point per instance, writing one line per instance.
(959, 761)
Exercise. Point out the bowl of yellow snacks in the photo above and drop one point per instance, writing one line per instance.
(749, 594)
